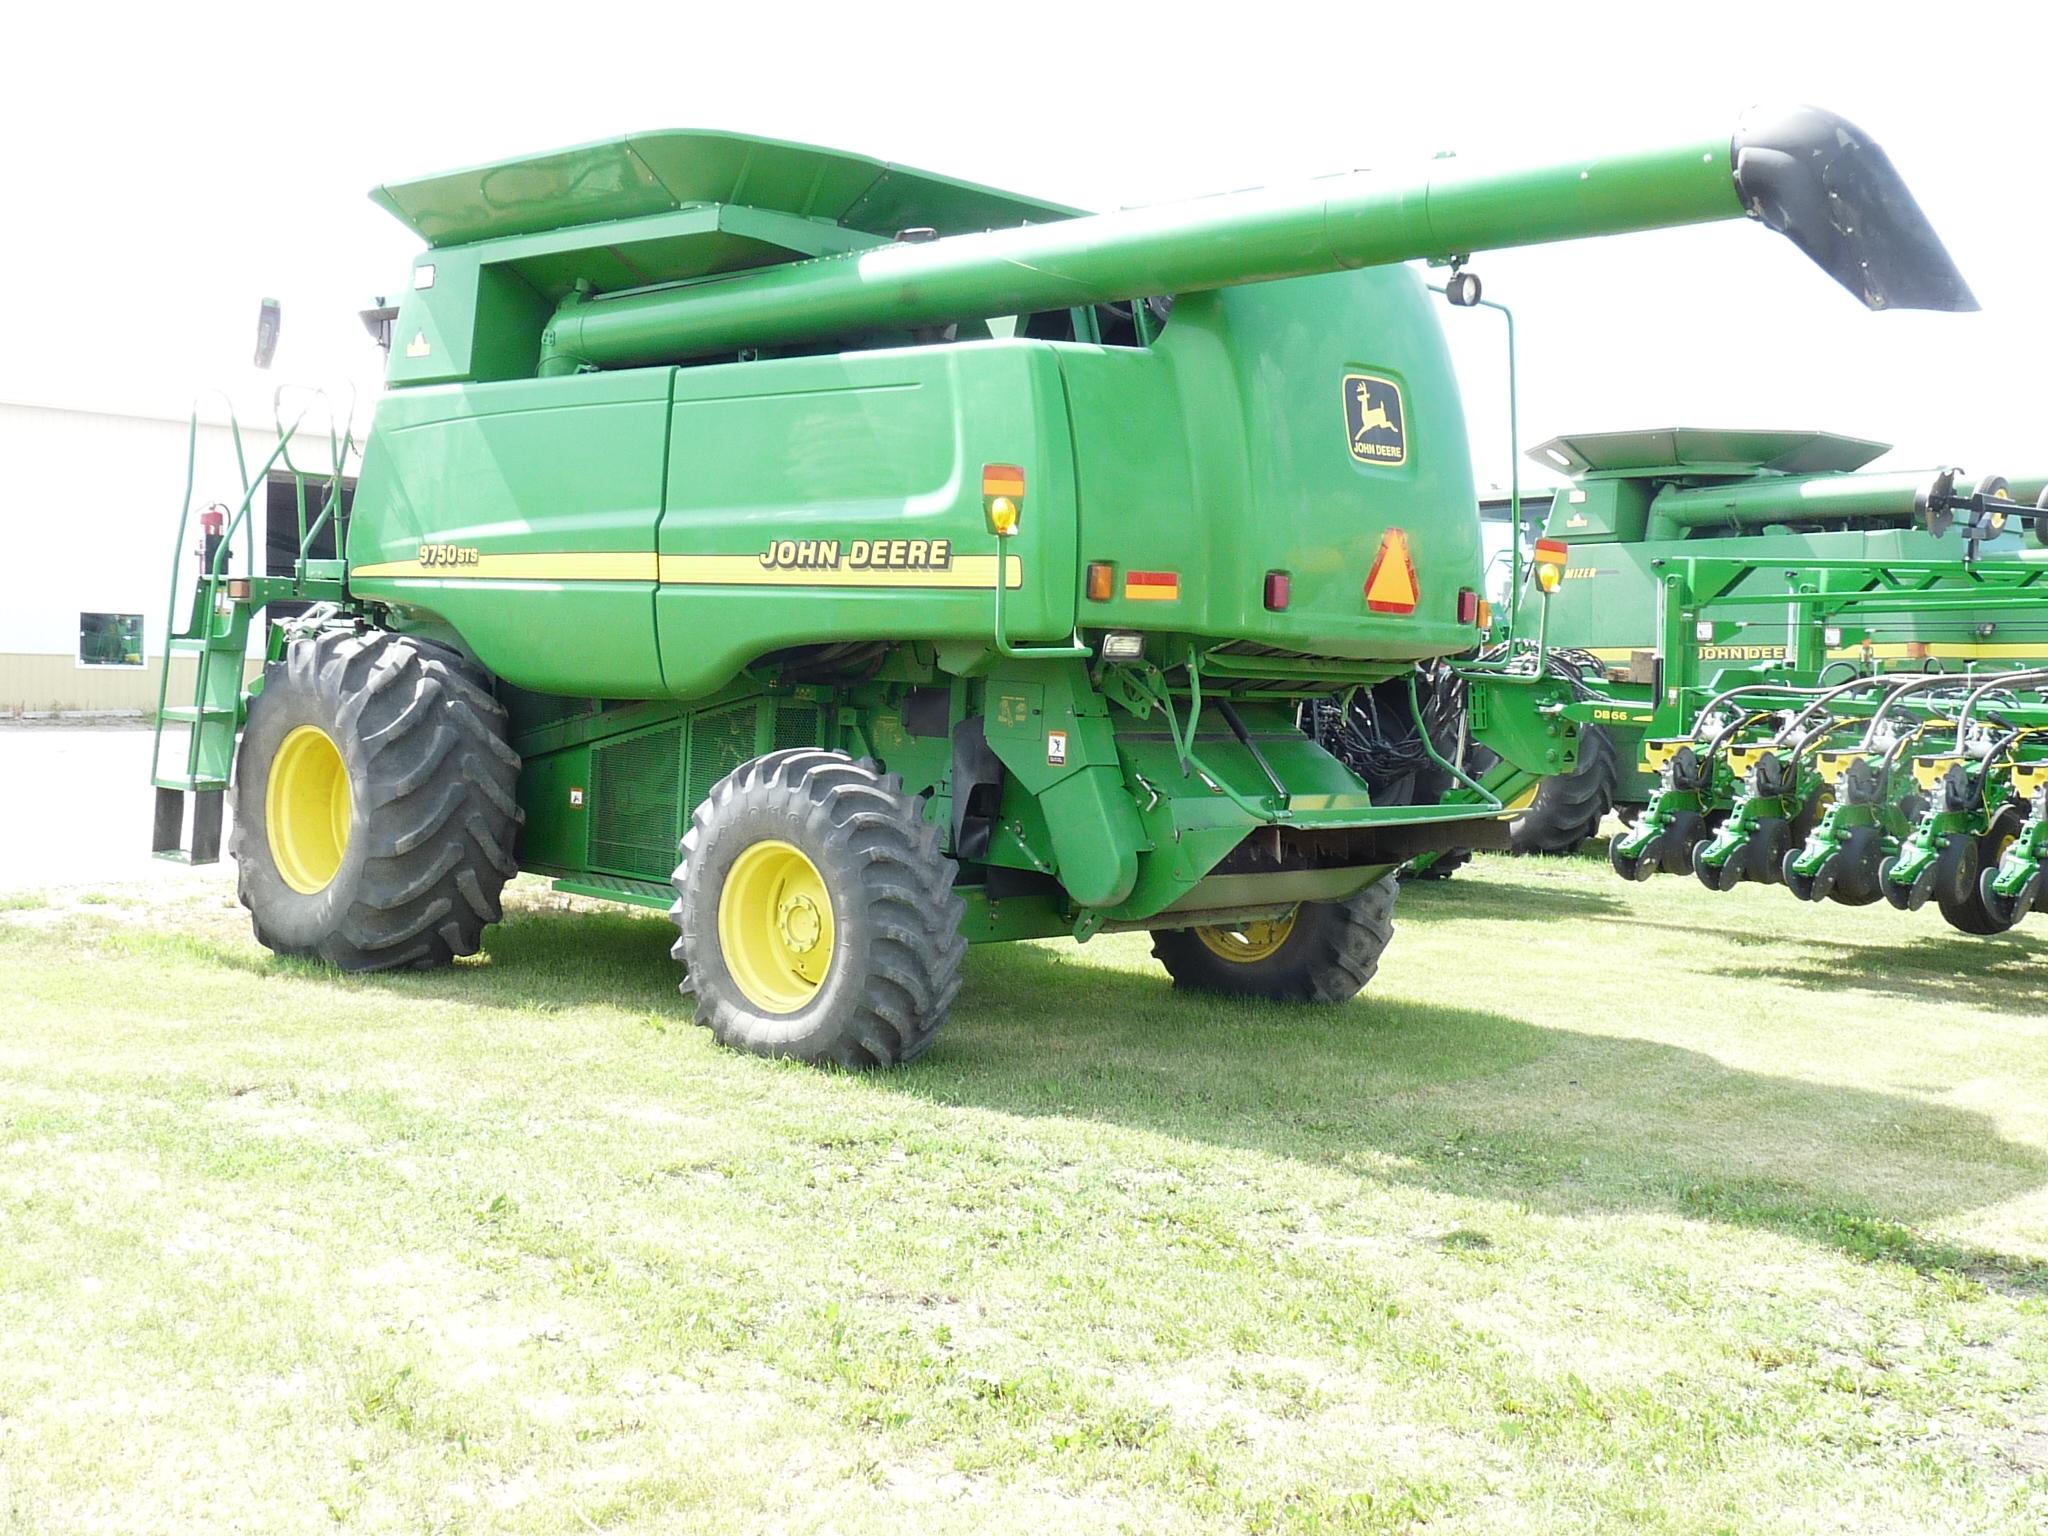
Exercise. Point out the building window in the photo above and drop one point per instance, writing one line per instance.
(110, 639)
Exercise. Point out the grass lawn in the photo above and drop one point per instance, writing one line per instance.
(1606, 1208)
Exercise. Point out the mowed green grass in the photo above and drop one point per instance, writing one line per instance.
(1606, 1208)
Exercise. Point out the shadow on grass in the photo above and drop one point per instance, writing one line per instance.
(2006, 974)
(1463, 1100)
(1475, 1103)
(532, 961)
(1483, 900)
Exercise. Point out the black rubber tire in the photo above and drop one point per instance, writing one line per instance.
(1330, 954)
(1724, 876)
(1630, 866)
(898, 948)
(2009, 910)
(1569, 807)
(1965, 909)
(434, 818)
(1852, 873)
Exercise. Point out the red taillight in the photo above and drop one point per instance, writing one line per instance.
(1101, 581)
(1468, 606)
(1278, 590)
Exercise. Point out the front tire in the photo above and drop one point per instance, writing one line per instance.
(1322, 952)
(816, 913)
(375, 803)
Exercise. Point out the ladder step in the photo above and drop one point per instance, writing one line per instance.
(184, 781)
(193, 714)
(166, 839)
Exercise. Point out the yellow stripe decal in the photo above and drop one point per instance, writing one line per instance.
(534, 567)
(1890, 650)
(963, 573)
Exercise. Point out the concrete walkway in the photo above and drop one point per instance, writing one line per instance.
(75, 804)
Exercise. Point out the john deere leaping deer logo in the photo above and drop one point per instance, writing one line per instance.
(1373, 420)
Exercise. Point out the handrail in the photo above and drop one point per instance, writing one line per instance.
(339, 447)
(206, 590)
(1074, 650)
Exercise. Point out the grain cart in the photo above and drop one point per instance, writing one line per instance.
(1639, 500)
(927, 564)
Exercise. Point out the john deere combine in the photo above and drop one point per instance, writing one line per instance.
(1640, 501)
(863, 563)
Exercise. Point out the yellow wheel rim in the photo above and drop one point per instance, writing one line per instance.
(307, 808)
(1244, 943)
(775, 926)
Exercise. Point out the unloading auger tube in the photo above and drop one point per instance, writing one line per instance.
(1802, 171)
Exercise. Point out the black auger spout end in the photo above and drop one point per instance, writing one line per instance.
(1822, 182)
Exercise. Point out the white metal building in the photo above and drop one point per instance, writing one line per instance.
(89, 506)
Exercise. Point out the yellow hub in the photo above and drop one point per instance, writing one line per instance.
(307, 808)
(775, 926)
(1244, 943)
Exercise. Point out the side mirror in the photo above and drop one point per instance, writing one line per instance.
(266, 332)
(378, 322)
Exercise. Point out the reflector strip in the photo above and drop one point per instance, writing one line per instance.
(1002, 480)
(1151, 586)
(1391, 588)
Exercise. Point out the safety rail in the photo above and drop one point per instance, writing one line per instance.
(215, 633)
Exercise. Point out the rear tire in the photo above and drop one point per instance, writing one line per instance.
(1327, 953)
(1569, 807)
(376, 815)
(807, 849)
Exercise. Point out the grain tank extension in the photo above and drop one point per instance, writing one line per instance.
(861, 563)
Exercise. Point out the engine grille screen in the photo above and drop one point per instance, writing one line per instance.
(635, 822)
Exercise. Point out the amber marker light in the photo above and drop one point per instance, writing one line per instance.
(1002, 497)
(1101, 581)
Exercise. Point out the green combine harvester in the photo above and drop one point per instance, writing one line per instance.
(1640, 500)
(861, 563)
